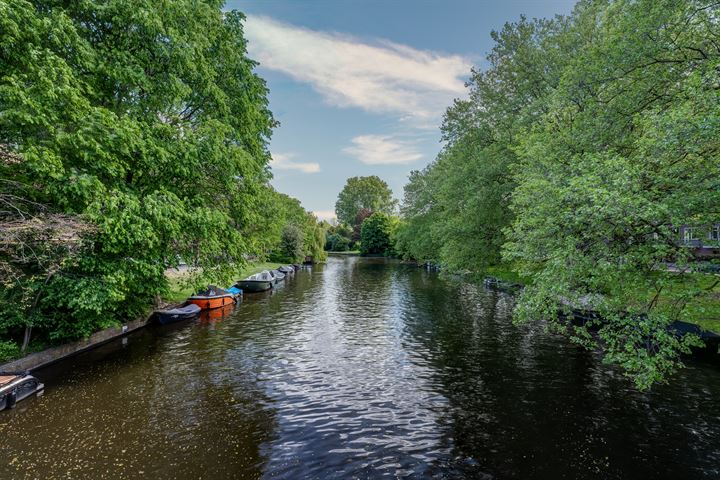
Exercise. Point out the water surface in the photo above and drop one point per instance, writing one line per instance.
(361, 368)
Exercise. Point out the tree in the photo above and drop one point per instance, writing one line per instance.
(337, 237)
(334, 242)
(292, 242)
(315, 241)
(456, 210)
(416, 236)
(377, 235)
(360, 193)
(147, 121)
(613, 167)
(35, 244)
(357, 225)
(581, 148)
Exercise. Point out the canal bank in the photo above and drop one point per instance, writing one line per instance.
(360, 368)
(180, 289)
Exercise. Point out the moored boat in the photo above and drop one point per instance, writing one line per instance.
(278, 275)
(15, 387)
(179, 314)
(259, 282)
(213, 297)
(287, 269)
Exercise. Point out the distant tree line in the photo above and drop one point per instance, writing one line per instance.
(367, 219)
(133, 137)
(583, 145)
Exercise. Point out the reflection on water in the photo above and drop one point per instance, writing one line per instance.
(360, 368)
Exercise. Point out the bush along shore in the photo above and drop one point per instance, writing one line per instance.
(581, 318)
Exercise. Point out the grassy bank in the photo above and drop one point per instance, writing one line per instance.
(703, 311)
(506, 273)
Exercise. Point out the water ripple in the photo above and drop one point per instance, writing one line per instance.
(363, 368)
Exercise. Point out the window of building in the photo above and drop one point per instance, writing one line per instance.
(715, 233)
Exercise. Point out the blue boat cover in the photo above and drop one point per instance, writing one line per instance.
(234, 290)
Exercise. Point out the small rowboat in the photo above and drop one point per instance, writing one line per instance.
(213, 297)
(279, 276)
(177, 314)
(15, 387)
(259, 282)
(286, 269)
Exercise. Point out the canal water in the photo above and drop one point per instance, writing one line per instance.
(361, 368)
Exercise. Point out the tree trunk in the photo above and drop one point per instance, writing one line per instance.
(28, 328)
(26, 339)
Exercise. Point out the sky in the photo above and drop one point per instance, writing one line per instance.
(360, 87)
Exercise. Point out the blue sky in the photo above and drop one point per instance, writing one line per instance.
(359, 87)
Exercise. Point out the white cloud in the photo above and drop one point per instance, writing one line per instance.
(382, 150)
(283, 161)
(325, 214)
(386, 77)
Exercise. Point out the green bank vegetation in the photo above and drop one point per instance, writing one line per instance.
(133, 136)
(581, 148)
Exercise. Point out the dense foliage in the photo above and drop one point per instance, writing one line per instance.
(581, 148)
(294, 232)
(378, 235)
(145, 121)
(363, 193)
(338, 238)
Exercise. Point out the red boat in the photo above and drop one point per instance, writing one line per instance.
(213, 297)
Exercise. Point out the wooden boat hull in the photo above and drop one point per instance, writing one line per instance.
(254, 286)
(15, 387)
(217, 301)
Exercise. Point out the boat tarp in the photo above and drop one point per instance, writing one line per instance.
(264, 276)
(234, 290)
(190, 308)
(212, 291)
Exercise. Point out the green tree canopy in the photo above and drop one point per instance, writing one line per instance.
(293, 231)
(456, 209)
(579, 152)
(378, 234)
(627, 152)
(144, 118)
(360, 193)
(291, 244)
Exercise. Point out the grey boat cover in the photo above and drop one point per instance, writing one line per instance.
(187, 309)
(212, 291)
(263, 276)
